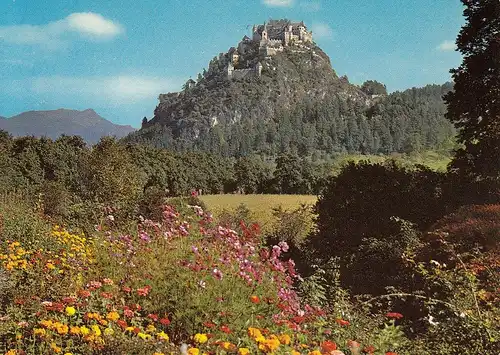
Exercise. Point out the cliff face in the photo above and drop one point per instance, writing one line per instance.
(297, 75)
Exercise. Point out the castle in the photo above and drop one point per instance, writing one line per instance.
(246, 60)
(268, 40)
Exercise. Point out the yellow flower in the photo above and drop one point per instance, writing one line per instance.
(84, 330)
(315, 352)
(295, 352)
(113, 316)
(62, 329)
(227, 345)
(55, 348)
(39, 331)
(68, 354)
(11, 352)
(270, 344)
(109, 331)
(254, 332)
(150, 328)
(285, 339)
(144, 336)
(50, 266)
(96, 330)
(193, 351)
(47, 323)
(157, 353)
(162, 336)
(70, 311)
(260, 339)
(200, 338)
(243, 351)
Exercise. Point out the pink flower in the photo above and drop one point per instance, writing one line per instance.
(217, 274)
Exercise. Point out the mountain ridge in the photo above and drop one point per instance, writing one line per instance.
(53, 123)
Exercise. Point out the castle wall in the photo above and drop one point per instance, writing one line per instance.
(242, 73)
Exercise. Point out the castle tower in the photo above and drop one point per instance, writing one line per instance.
(229, 70)
(258, 69)
(288, 35)
(265, 34)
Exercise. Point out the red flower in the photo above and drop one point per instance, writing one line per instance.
(369, 349)
(128, 313)
(107, 295)
(209, 325)
(394, 315)
(342, 322)
(225, 329)
(328, 346)
(143, 291)
(69, 300)
(121, 323)
(84, 293)
(298, 319)
(391, 353)
(165, 321)
(126, 289)
(153, 317)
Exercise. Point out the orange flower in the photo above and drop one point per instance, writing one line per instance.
(113, 316)
(74, 330)
(343, 322)
(328, 346)
(255, 299)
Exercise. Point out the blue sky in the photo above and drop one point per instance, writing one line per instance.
(116, 56)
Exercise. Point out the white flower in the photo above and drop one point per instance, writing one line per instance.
(431, 320)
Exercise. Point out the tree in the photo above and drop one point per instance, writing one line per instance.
(474, 105)
(288, 174)
(373, 87)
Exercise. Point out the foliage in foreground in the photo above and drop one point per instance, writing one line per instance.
(181, 284)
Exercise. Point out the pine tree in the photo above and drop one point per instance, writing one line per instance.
(474, 105)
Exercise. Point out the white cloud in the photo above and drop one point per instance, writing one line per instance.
(322, 31)
(120, 88)
(56, 34)
(447, 46)
(312, 6)
(93, 24)
(278, 3)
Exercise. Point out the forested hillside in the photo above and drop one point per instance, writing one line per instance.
(298, 105)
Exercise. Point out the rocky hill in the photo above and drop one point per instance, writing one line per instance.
(267, 97)
(87, 124)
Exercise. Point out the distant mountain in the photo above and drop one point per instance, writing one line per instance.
(86, 124)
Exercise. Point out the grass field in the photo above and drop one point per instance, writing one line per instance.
(434, 160)
(260, 206)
